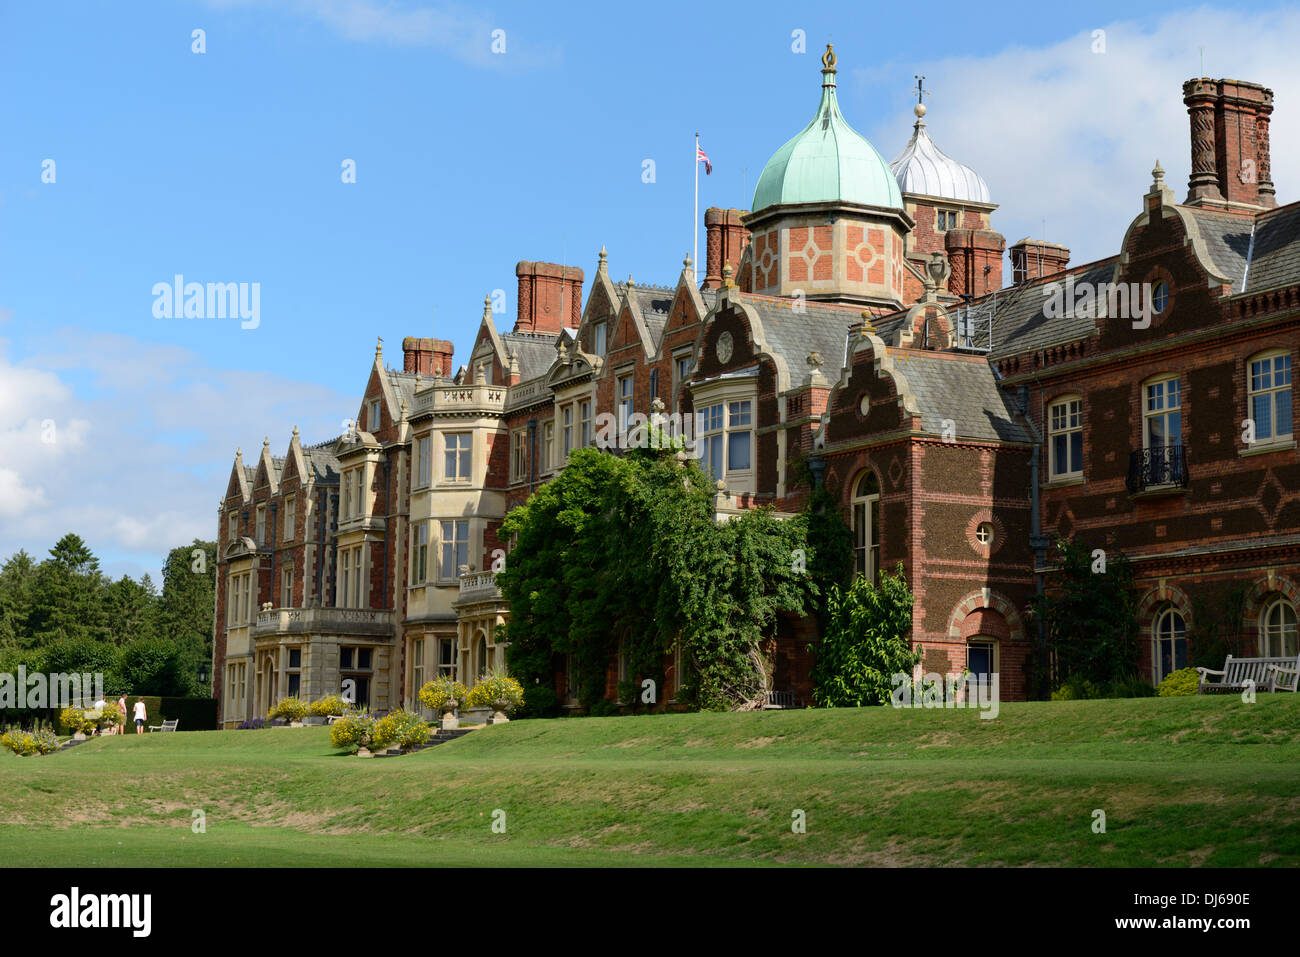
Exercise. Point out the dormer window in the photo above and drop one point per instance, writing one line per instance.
(598, 338)
(372, 416)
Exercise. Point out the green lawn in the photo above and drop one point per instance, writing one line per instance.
(1183, 781)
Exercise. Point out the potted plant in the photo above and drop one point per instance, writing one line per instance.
(445, 696)
(77, 723)
(292, 710)
(322, 708)
(353, 732)
(499, 692)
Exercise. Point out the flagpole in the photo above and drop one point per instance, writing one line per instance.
(695, 218)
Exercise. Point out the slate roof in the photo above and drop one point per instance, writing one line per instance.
(322, 463)
(534, 352)
(403, 384)
(1275, 260)
(962, 389)
(1019, 323)
(1227, 241)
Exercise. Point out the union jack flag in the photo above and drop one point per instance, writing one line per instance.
(701, 155)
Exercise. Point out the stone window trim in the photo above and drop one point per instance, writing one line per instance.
(1053, 425)
(725, 392)
(985, 516)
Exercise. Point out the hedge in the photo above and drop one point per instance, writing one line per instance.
(194, 714)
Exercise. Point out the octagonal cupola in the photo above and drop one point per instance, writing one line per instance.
(828, 221)
(924, 169)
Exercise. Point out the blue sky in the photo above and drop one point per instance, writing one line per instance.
(225, 167)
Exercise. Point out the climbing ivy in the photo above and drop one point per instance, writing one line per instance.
(628, 548)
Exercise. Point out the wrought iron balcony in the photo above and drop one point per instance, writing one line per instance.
(1161, 467)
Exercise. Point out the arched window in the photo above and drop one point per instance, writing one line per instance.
(1170, 638)
(1277, 630)
(866, 525)
(1270, 395)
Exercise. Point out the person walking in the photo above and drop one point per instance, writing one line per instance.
(121, 709)
(139, 716)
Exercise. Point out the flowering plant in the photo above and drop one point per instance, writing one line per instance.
(400, 727)
(291, 709)
(494, 688)
(328, 705)
(25, 743)
(352, 730)
(74, 721)
(443, 691)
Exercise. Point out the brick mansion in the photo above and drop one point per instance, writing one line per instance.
(855, 326)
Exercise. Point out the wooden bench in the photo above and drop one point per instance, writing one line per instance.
(165, 726)
(1262, 674)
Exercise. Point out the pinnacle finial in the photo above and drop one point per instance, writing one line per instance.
(688, 262)
(379, 347)
(295, 431)
(266, 442)
(726, 275)
(1158, 175)
(604, 256)
(829, 59)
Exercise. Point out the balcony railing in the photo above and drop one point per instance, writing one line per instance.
(1160, 467)
(478, 585)
(461, 399)
(343, 621)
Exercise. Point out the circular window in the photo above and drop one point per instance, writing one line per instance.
(984, 534)
(724, 347)
(1159, 296)
(864, 404)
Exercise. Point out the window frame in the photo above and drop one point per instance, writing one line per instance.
(864, 515)
(1273, 391)
(1173, 635)
(464, 457)
(1166, 410)
(1067, 430)
(290, 501)
(444, 577)
(1267, 630)
(518, 455)
(424, 461)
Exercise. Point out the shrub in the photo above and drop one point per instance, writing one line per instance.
(496, 687)
(74, 721)
(26, 743)
(441, 690)
(1131, 686)
(400, 727)
(542, 702)
(351, 730)
(1077, 688)
(867, 641)
(291, 709)
(328, 705)
(1180, 682)
(111, 717)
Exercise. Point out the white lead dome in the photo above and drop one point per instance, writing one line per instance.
(925, 169)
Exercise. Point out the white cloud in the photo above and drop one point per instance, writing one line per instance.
(1069, 137)
(129, 444)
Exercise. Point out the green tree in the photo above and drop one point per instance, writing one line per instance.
(66, 600)
(866, 641)
(17, 584)
(625, 552)
(185, 608)
(151, 666)
(1089, 616)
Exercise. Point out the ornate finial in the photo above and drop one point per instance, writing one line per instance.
(266, 442)
(563, 350)
(1158, 175)
(828, 59)
(402, 416)
(604, 257)
(295, 431)
(815, 360)
(726, 276)
(657, 404)
(379, 347)
(630, 282)
(239, 453)
(687, 262)
(867, 328)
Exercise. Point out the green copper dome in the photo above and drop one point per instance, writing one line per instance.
(827, 161)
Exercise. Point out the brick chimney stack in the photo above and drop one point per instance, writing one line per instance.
(550, 297)
(1230, 151)
(431, 357)
(1036, 259)
(975, 256)
(725, 241)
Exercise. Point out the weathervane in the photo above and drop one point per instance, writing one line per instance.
(921, 93)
